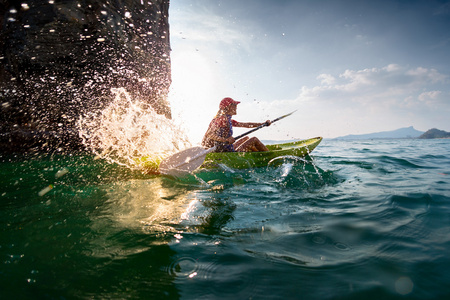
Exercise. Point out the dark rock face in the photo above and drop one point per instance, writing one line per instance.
(60, 58)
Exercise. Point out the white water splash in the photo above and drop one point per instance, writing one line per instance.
(129, 129)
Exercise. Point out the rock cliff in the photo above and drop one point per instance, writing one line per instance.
(60, 58)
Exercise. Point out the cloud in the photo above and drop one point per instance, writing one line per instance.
(390, 86)
(326, 79)
(430, 97)
(426, 75)
(201, 25)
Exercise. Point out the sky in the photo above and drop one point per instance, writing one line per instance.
(345, 67)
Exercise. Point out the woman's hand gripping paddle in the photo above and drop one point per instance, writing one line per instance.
(190, 159)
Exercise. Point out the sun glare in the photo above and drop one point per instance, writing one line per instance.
(194, 89)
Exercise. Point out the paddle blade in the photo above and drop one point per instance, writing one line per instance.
(183, 162)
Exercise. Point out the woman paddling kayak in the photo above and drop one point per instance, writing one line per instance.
(220, 131)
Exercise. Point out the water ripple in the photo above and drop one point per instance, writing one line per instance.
(184, 267)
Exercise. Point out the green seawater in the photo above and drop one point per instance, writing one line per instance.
(356, 220)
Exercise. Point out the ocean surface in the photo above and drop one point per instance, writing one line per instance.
(357, 220)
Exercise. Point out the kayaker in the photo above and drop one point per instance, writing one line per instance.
(220, 131)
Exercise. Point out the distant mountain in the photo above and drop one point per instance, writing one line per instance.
(402, 133)
(435, 134)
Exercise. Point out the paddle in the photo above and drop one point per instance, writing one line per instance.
(190, 159)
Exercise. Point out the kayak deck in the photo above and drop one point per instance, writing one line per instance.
(244, 160)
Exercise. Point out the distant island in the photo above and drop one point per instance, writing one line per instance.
(402, 133)
(435, 134)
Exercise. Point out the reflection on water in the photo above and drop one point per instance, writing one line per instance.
(161, 206)
(146, 204)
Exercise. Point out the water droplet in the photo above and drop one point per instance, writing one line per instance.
(341, 246)
(184, 267)
(318, 240)
(61, 172)
(404, 285)
(45, 190)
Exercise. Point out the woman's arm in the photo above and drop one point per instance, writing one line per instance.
(250, 124)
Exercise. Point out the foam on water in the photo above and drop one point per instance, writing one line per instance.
(128, 129)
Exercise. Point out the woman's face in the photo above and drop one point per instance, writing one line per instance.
(231, 109)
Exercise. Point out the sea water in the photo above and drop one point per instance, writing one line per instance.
(355, 220)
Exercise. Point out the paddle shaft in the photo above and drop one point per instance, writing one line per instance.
(261, 126)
